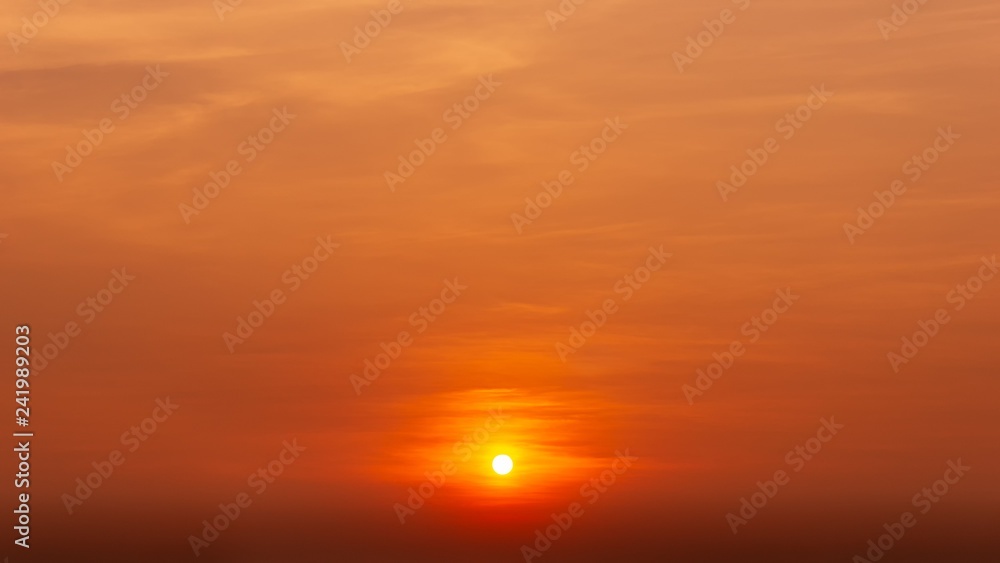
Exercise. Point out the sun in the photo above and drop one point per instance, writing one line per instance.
(502, 464)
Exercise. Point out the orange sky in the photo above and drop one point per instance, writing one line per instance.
(309, 212)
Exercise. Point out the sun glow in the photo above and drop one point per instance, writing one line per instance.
(502, 464)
